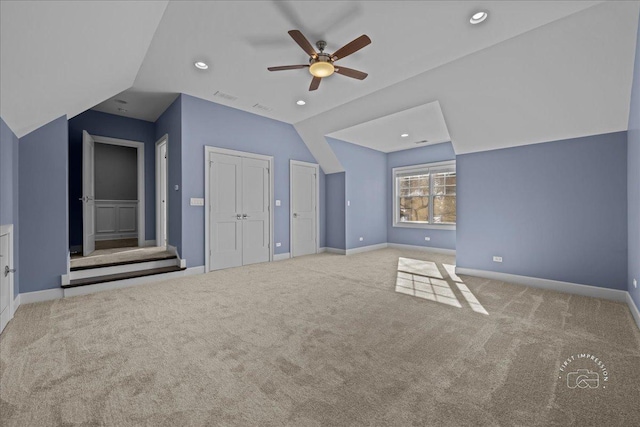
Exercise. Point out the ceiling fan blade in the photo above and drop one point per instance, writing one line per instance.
(303, 43)
(351, 47)
(315, 83)
(287, 67)
(349, 72)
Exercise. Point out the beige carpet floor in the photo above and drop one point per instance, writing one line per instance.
(108, 256)
(324, 340)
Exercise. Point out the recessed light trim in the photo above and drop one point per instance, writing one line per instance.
(478, 17)
(404, 135)
(201, 65)
(300, 102)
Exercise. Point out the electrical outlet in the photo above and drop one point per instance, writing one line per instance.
(497, 259)
(635, 283)
(427, 238)
(278, 244)
(348, 202)
(361, 239)
(278, 202)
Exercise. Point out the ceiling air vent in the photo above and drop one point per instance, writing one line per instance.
(424, 141)
(262, 107)
(226, 96)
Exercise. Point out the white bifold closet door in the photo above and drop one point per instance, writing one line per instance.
(239, 197)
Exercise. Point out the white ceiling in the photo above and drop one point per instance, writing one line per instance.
(64, 57)
(421, 123)
(239, 40)
(534, 71)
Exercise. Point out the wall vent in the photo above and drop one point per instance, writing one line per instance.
(225, 96)
(424, 141)
(262, 107)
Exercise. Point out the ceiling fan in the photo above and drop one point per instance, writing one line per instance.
(321, 64)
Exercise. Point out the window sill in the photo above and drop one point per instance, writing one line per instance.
(425, 226)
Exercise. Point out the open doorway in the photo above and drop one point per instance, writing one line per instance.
(112, 194)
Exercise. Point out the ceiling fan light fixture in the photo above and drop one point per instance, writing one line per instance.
(478, 17)
(321, 69)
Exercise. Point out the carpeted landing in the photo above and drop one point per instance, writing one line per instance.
(324, 340)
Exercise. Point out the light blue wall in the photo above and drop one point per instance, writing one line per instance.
(633, 179)
(336, 210)
(366, 190)
(9, 192)
(445, 239)
(170, 123)
(43, 199)
(556, 210)
(205, 123)
(109, 125)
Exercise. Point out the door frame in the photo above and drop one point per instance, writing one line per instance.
(162, 141)
(211, 150)
(8, 230)
(317, 168)
(141, 196)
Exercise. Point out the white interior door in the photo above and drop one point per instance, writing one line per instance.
(162, 238)
(255, 211)
(303, 208)
(6, 293)
(225, 200)
(88, 195)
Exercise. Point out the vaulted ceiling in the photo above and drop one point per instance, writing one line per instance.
(534, 71)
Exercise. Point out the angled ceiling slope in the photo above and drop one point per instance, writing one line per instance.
(415, 127)
(239, 40)
(566, 79)
(64, 57)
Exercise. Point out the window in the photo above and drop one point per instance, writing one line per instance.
(425, 196)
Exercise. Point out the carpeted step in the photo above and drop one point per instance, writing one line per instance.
(121, 276)
(117, 263)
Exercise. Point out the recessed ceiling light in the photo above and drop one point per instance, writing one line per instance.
(300, 102)
(201, 65)
(478, 17)
(404, 135)
(120, 101)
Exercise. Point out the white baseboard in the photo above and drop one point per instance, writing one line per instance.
(107, 286)
(39, 296)
(634, 309)
(422, 248)
(149, 243)
(335, 251)
(16, 304)
(322, 250)
(366, 248)
(280, 257)
(553, 285)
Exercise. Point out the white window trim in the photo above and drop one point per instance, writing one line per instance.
(416, 168)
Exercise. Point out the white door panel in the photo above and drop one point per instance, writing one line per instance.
(88, 195)
(4, 279)
(255, 210)
(239, 220)
(303, 208)
(225, 180)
